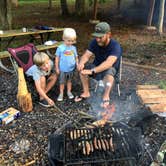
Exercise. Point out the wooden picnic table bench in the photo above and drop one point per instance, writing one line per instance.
(42, 47)
(10, 36)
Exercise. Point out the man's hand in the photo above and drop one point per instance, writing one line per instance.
(80, 66)
(86, 72)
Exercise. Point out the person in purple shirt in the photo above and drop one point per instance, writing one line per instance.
(107, 54)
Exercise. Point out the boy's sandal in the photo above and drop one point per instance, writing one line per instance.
(80, 98)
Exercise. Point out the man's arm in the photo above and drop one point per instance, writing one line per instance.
(103, 66)
(106, 64)
(85, 57)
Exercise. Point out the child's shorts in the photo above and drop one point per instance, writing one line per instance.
(65, 76)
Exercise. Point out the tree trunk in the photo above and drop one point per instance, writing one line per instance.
(118, 4)
(150, 15)
(80, 7)
(64, 7)
(161, 16)
(50, 4)
(95, 9)
(6, 14)
(15, 2)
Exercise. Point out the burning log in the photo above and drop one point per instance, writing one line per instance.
(23, 96)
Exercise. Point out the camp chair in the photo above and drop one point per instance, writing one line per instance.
(117, 77)
(22, 56)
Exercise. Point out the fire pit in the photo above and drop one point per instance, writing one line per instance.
(111, 144)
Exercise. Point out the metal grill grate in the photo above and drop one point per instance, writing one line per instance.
(109, 144)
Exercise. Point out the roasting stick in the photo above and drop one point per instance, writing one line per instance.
(85, 115)
(60, 111)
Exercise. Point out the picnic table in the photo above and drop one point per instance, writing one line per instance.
(9, 36)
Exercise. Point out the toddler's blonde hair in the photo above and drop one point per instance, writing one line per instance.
(40, 58)
(69, 33)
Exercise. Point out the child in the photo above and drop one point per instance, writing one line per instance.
(44, 76)
(65, 62)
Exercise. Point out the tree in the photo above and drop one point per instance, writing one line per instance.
(15, 2)
(6, 14)
(64, 7)
(161, 16)
(50, 4)
(118, 4)
(80, 7)
(151, 11)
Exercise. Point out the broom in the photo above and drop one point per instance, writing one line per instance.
(24, 98)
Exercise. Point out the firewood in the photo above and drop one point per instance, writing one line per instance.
(30, 163)
(23, 96)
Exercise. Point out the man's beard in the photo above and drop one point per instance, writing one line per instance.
(102, 44)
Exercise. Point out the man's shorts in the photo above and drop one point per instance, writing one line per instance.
(99, 76)
(65, 76)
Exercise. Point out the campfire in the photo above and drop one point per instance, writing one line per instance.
(100, 141)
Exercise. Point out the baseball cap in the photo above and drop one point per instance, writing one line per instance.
(101, 29)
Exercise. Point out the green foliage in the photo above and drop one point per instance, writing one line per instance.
(162, 84)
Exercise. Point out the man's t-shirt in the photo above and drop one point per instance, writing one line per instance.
(102, 53)
(36, 72)
(67, 57)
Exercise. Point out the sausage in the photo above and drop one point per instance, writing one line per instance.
(95, 143)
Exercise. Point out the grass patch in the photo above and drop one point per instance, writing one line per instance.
(162, 84)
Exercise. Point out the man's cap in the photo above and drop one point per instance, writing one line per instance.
(101, 29)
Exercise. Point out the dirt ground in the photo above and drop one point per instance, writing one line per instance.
(139, 45)
(25, 140)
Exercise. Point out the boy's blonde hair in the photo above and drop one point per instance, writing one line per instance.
(69, 33)
(40, 58)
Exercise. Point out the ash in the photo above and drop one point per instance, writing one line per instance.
(25, 140)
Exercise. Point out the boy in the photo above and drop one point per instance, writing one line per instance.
(65, 62)
(44, 77)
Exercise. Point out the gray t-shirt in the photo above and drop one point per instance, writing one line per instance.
(36, 72)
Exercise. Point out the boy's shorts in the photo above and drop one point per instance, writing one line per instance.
(99, 76)
(65, 76)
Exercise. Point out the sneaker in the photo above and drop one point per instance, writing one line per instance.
(70, 95)
(44, 103)
(60, 97)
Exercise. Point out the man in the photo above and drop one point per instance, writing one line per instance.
(107, 54)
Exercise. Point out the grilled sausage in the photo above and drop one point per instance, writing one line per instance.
(103, 144)
(95, 143)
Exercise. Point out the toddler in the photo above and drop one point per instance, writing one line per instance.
(66, 61)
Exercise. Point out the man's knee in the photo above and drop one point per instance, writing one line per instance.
(111, 72)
